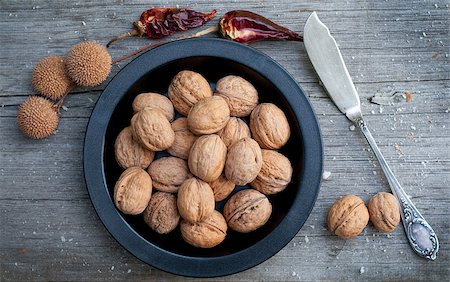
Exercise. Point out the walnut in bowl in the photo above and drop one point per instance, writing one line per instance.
(130, 153)
(207, 157)
(247, 210)
(241, 95)
(156, 101)
(269, 126)
(186, 89)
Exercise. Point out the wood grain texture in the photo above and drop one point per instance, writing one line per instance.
(49, 229)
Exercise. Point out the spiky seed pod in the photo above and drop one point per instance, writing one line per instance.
(88, 63)
(37, 117)
(50, 78)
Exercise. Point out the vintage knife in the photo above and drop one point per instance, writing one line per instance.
(330, 67)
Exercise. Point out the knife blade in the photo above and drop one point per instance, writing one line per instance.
(327, 60)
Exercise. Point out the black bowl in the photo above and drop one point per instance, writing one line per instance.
(213, 58)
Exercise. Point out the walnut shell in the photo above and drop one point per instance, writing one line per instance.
(234, 130)
(129, 152)
(161, 214)
(240, 95)
(168, 173)
(206, 234)
(207, 157)
(247, 210)
(133, 191)
(156, 101)
(184, 139)
(244, 161)
(347, 217)
(209, 115)
(275, 173)
(221, 187)
(269, 126)
(186, 89)
(152, 129)
(384, 212)
(195, 200)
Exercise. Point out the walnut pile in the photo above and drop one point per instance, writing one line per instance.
(192, 149)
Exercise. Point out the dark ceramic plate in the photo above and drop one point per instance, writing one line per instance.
(213, 58)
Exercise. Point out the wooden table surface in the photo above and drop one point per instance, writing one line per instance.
(50, 231)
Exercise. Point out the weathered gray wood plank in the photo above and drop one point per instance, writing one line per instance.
(50, 230)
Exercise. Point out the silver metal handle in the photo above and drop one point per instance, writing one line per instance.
(420, 235)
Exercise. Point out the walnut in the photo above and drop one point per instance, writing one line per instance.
(186, 89)
(129, 152)
(133, 190)
(234, 130)
(168, 173)
(206, 234)
(195, 200)
(152, 129)
(244, 160)
(156, 101)
(207, 157)
(275, 173)
(184, 139)
(247, 210)
(221, 187)
(384, 212)
(269, 126)
(240, 95)
(209, 115)
(347, 217)
(161, 214)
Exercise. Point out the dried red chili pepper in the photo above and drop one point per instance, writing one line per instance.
(245, 27)
(161, 22)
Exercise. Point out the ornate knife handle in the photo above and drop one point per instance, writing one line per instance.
(420, 235)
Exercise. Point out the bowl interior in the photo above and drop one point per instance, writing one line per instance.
(212, 68)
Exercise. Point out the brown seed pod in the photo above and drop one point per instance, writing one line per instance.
(240, 95)
(161, 213)
(88, 63)
(50, 78)
(154, 100)
(205, 234)
(37, 117)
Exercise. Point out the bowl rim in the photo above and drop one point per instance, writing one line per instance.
(153, 255)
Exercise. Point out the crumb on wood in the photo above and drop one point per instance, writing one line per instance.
(326, 175)
(362, 270)
(408, 96)
(398, 149)
(409, 135)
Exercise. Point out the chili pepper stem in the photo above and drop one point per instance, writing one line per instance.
(198, 34)
(131, 33)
